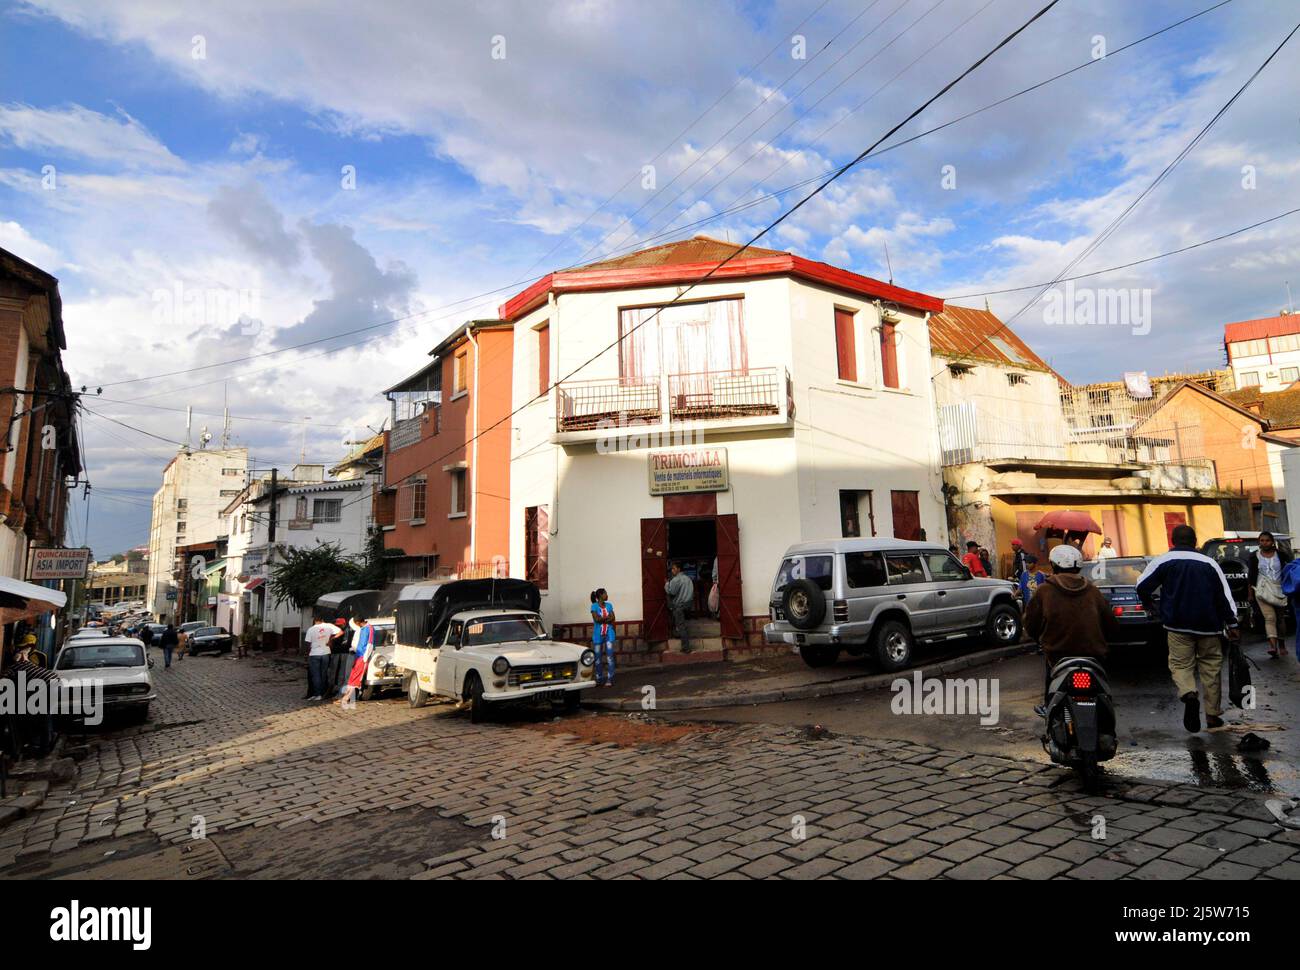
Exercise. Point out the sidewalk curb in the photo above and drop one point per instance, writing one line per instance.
(830, 688)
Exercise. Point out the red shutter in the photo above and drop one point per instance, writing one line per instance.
(888, 355)
(845, 349)
(907, 515)
(543, 358)
(654, 573)
(730, 607)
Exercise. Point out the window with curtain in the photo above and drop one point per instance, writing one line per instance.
(688, 338)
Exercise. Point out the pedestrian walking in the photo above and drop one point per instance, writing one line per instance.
(1018, 557)
(603, 639)
(986, 561)
(1031, 577)
(168, 641)
(362, 643)
(1264, 583)
(340, 658)
(1197, 610)
(972, 560)
(146, 636)
(1068, 616)
(681, 595)
(319, 635)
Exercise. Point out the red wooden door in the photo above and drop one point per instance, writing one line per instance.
(907, 515)
(1172, 520)
(654, 573)
(730, 607)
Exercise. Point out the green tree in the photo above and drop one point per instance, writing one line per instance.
(305, 575)
(374, 571)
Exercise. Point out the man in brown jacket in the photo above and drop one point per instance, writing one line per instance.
(1068, 616)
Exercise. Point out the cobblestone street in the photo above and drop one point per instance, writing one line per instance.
(281, 784)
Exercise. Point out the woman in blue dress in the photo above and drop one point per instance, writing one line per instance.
(602, 637)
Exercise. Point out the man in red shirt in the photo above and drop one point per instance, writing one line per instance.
(972, 559)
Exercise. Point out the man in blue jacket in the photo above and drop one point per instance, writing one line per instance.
(1196, 608)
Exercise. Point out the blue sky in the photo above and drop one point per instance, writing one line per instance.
(223, 174)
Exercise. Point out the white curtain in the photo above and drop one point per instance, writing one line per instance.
(692, 338)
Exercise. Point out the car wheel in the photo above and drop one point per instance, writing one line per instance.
(478, 712)
(1002, 629)
(804, 604)
(894, 645)
(416, 695)
(819, 656)
(368, 692)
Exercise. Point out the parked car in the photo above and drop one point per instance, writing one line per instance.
(92, 633)
(185, 629)
(214, 638)
(883, 596)
(1232, 551)
(378, 607)
(122, 667)
(482, 642)
(1117, 579)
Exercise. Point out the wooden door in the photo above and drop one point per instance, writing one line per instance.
(907, 515)
(731, 612)
(654, 573)
(1172, 521)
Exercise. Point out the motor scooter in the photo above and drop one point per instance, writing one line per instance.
(1080, 715)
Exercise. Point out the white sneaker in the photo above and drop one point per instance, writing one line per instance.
(316, 698)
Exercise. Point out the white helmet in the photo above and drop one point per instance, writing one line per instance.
(1066, 556)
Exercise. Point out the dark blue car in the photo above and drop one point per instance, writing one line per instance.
(1117, 579)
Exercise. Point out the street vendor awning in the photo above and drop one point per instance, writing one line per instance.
(26, 601)
(1068, 520)
(216, 567)
(254, 584)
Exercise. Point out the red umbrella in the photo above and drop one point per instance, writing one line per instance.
(1068, 520)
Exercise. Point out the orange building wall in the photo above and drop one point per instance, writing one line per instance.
(1229, 438)
(488, 504)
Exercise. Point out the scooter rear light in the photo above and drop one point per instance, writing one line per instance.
(1081, 680)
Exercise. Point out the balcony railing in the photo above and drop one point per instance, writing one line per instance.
(705, 396)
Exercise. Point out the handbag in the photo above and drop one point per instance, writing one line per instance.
(1270, 591)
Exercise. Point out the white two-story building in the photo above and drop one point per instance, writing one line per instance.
(780, 400)
(1265, 353)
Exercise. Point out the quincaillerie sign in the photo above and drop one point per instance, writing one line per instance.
(59, 563)
(697, 470)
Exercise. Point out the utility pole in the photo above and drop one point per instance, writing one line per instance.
(270, 549)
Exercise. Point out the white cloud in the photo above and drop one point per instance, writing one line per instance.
(79, 132)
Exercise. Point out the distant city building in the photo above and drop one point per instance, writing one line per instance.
(196, 486)
(1264, 353)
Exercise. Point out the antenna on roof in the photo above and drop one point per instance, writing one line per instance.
(1290, 307)
(888, 265)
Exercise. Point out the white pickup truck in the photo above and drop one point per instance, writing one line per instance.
(482, 641)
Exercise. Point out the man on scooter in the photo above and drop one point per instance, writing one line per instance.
(1068, 616)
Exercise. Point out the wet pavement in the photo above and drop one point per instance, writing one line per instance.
(1153, 743)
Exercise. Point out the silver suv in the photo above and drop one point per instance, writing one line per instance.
(884, 596)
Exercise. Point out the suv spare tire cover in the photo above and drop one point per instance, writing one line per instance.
(807, 591)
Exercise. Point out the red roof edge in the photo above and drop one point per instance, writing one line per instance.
(784, 264)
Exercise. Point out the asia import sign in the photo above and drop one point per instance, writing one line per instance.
(59, 563)
(696, 470)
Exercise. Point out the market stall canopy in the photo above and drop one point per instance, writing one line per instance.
(1067, 520)
(26, 601)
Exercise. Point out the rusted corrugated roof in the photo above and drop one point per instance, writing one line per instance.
(1281, 409)
(979, 335)
(1261, 328)
(700, 249)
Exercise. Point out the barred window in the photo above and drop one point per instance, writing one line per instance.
(327, 510)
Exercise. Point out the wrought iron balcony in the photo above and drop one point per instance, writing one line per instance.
(756, 395)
